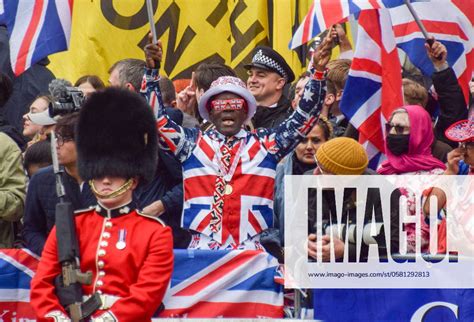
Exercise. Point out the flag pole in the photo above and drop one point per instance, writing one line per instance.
(149, 9)
(429, 40)
(419, 23)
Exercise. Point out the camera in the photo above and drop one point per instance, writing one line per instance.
(66, 99)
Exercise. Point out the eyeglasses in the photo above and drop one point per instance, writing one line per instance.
(60, 140)
(467, 145)
(399, 129)
(230, 104)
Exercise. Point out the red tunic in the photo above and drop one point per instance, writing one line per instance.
(138, 274)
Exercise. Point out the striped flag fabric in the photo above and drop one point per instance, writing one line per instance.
(374, 86)
(36, 29)
(224, 284)
(452, 25)
(324, 13)
(17, 268)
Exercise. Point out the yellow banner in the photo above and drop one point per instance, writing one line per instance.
(192, 31)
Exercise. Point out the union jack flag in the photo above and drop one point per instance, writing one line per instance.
(36, 29)
(224, 284)
(373, 88)
(324, 13)
(17, 268)
(451, 23)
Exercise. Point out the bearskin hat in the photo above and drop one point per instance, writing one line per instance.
(116, 136)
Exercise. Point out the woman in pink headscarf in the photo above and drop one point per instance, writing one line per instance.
(409, 136)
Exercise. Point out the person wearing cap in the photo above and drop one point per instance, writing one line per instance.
(338, 156)
(129, 254)
(268, 74)
(229, 172)
(37, 123)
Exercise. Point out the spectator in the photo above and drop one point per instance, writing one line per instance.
(125, 72)
(41, 198)
(409, 136)
(162, 196)
(12, 190)
(37, 156)
(415, 94)
(268, 74)
(202, 78)
(224, 166)
(298, 162)
(460, 162)
(36, 127)
(338, 156)
(338, 71)
(450, 96)
(89, 84)
(299, 89)
(31, 83)
(6, 90)
(461, 159)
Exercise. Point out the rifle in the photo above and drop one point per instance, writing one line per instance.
(69, 283)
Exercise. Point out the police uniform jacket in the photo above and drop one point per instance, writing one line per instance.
(131, 259)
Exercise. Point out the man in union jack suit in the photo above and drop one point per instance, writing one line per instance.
(229, 172)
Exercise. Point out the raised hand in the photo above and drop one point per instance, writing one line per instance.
(437, 53)
(322, 54)
(153, 53)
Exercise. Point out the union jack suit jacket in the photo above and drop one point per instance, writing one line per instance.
(248, 210)
(135, 274)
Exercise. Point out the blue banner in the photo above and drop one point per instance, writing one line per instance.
(394, 305)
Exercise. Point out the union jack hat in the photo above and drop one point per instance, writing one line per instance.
(461, 131)
(227, 84)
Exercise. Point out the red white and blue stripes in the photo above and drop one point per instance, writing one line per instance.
(374, 87)
(36, 29)
(450, 22)
(324, 13)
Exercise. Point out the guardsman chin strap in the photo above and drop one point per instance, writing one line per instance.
(120, 190)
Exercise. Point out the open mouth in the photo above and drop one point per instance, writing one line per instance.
(228, 122)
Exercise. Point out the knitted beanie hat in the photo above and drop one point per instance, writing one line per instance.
(343, 156)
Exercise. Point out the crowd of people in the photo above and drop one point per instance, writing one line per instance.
(208, 161)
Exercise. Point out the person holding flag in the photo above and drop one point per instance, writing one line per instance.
(228, 172)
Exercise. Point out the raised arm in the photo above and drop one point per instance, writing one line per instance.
(180, 141)
(283, 139)
(452, 105)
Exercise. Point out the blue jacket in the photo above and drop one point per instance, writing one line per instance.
(285, 167)
(40, 205)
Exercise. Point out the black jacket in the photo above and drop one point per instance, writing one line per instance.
(268, 118)
(453, 107)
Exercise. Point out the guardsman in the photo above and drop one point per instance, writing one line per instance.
(129, 254)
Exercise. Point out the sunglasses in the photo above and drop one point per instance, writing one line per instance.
(229, 104)
(399, 129)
